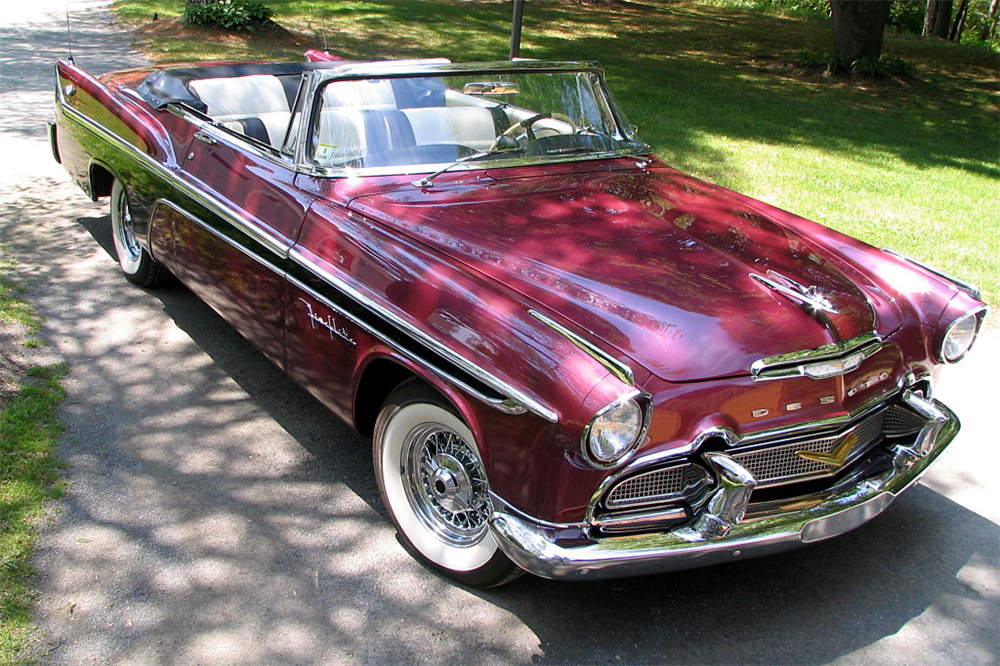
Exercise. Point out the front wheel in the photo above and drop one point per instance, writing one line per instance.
(434, 486)
(136, 263)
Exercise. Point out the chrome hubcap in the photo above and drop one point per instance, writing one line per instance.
(126, 235)
(446, 484)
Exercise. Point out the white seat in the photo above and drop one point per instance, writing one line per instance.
(376, 94)
(242, 95)
(341, 137)
(465, 125)
(237, 101)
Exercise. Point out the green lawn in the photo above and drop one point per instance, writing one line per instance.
(910, 164)
(29, 475)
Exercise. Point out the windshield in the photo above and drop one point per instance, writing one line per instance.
(424, 123)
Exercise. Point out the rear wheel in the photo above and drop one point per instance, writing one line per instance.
(136, 263)
(434, 486)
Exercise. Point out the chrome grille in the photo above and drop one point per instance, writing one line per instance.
(774, 465)
(654, 486)
(901, 421)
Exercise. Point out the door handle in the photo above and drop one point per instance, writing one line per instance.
(205, 138)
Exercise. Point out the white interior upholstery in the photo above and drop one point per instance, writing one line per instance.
(341, 136)
(235, 99)
(466, 125)
(360, 94)
(241, 96)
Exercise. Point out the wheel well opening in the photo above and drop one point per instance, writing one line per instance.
(100, 181)
(380, 378)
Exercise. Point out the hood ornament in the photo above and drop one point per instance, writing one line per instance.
(788, 287)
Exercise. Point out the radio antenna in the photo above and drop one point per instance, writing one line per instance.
(69, 34)
(322, 22)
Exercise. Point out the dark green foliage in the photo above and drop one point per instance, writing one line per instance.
(876, 67)
(233, 15)
(907, 17)
(872, 67)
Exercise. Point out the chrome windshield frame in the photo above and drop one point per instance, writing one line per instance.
(355, 71)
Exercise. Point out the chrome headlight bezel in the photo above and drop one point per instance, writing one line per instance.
(636, 401)
(967, 325)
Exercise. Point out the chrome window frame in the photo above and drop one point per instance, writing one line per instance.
(314, 80)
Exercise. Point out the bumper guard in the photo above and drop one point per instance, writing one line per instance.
(533, 547)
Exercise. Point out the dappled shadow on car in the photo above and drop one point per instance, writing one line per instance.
(332, 570)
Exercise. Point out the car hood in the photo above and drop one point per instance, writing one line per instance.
(656, 264)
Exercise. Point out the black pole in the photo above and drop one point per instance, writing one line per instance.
(515, 29)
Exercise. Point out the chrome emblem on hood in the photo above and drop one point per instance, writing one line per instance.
(789, 288)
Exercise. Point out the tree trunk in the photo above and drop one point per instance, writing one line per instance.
(959, 25)
(929, 17)
(858, 27)
(942, 18)
(991, 22)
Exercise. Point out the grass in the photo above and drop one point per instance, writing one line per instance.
(29, 475)
(909, 163)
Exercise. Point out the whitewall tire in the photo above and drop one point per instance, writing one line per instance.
(133, 259)
(434, 486)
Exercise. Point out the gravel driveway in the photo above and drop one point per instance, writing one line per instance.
(218, 515)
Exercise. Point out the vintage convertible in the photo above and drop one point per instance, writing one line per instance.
(573, 360)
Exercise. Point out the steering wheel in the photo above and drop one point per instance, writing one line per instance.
(526, 125)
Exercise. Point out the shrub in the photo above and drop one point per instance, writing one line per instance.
(228, 14)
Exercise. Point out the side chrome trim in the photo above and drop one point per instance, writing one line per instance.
(515, 401)
(218, 234)
(614, 366)
(973, 290)
(808, 362)
(223, 210)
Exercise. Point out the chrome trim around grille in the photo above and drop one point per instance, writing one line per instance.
(544, 553)
(777, 463)
(772, 456)
(655, 486)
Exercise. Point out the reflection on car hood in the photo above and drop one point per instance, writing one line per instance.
(654, 263)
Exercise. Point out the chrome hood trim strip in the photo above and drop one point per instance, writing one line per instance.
(848, 353)
(614, 366)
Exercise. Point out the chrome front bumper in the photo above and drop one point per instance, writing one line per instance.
(536, 547)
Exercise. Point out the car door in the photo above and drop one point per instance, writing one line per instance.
(231, 249)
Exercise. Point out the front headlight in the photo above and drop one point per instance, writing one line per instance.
(614, 431)
(959, 337)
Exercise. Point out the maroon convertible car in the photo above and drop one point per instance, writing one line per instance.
(572, 359)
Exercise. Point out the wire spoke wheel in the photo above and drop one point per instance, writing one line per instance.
(433, 483)
(446, 484)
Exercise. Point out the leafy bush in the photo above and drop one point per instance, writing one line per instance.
(882, 66)
(873, 67)
(229, 14)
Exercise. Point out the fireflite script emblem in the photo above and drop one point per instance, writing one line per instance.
(835, 458)
(329, 324)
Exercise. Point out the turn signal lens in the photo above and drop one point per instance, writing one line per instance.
(959, 337)
(614, 431)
